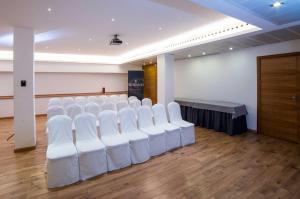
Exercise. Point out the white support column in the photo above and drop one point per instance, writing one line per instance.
(24, 108)
(165, 77)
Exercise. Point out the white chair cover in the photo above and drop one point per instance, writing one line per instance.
(54, 102)
(135, 104)
(147, 102)
(123, 97)
(132, 98)
(54, 110)
(66, 101)
(107, 106)
(81, 101)
(187, 129)
(157, 139)
(62, 158)
(117, 146)
(139, 142)
(122, 104)
(92, 99)
(172, 131)
(91, 151)
(100, 100)
(93, 108)
(73, 110)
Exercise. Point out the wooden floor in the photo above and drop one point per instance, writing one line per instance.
(217, 166)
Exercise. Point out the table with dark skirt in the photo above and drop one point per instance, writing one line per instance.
(221, 116)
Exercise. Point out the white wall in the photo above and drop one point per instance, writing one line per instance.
(229, 76)
(112, 77)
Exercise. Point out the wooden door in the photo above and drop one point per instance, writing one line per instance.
(150, 82)
(278, 96)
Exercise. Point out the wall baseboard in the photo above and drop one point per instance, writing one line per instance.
(25, 149)
(12, 117)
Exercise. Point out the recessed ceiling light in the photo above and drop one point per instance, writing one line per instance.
(126, 43)
(230, 48)
(160, 28)
(112, 19)
(189, 55)
(277, 4)
(204, 53)
(150, 62)
(49, 9)
(144, 63)
(78, 49)
(90, 39)
(47, 47)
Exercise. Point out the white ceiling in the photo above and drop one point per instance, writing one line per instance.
(71, 23)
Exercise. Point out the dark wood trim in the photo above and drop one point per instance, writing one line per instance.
(25, 149)
(259, 58)
(68, 95)
(12, 117)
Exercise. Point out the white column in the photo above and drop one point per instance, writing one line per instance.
(165, 78)
(24, 108)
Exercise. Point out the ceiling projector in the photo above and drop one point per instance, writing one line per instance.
(115, 40)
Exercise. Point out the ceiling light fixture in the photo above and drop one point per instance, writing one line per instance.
(47, 47)
(49, 9)
(204, 53)
(189, 55)
(230, 48)
(160, 28)
(112, 19)
(90, 39)
(277, 4)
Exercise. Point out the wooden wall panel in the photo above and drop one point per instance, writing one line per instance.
(150, 82)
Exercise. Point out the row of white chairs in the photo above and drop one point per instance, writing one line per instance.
(82, 100)
(91, 107)
(92, 154)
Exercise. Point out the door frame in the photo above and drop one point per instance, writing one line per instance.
(258, 59)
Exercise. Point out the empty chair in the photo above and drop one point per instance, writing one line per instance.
(187, 129)
(172, 131)
(121, 104)
(117, 146)
(54, 102)
(100, 100)
(114, 98)
(123, 97)
(104, 98)
(66, 101)
(132, 98)
(81, 101)
(107, 106)
(147, 102)
(73, 110)
(91, 151)
(62, 157)
(139, 142)
(157, 138)
(135, 104)
(93, 108)
(54, 110)
(92, 99)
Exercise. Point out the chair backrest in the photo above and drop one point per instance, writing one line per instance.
(107, 106)
(123, 97)
(128, 121)
(147, 102)
(114, 98)
(66, 101)
(100, 100)
(159, 114)
(174, 112)
(73, 110)
(85, 125)
(122, 104)
(54, 102)
(80, 100)
(108, 123)
(144, 117)
(132, 98)
(135, 104)
(54, 110)
(60, 130)
(93, 108)
(92, 99)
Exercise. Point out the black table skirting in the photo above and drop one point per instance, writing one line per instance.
(219, 121)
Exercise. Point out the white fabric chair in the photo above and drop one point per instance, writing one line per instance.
(73, 110)
(100, 100)
(54, 102)
(114, 99)
(92, 99)
(66, 101)
(157, 135)
(62, 157)
(81, 101)
(93, 108)
(117, 146)
(135, 104)
(147, 102)
(91, 151)
(54, 110)
(132, 98)
(139, 142)
(172, 131)
(123, 97)
(122, 104)
(187, 129)
(107, 106)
